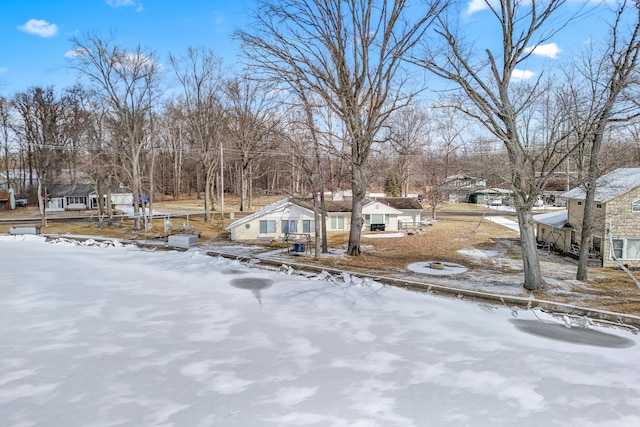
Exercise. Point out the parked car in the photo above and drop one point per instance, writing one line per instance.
(21, 202)
(495, 202)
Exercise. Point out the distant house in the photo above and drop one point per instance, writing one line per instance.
(410, 208)
(295, 217)
(458, 187)
(83, 197)
(69, 197)
(489, 195)
(616, 228)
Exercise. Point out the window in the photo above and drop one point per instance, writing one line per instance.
(75, 199)
(267, 226)
(377, 219)
(289, 226)
(633, 249)
(337, 222)
(579, 202)
(599, 205)
(635, 206)
(626, 248)
(308, 226)
(617, 248)
(596, 242)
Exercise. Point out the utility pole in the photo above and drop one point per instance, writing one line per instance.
(221, 183)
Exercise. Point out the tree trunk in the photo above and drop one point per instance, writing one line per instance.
(42, 201)
(358, 188)
(323, 215)
(530, 260)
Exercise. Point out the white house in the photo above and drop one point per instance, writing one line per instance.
(295, 218)
(275, 221)
(409, 207)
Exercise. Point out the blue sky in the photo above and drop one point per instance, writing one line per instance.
(35, 34)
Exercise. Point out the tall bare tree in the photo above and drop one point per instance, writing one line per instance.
(127, 81)
(408, 132)
(491, 95)
(605, 78)
(253, 118)
(42, 128)
(200, 75)
(349, 53)
(4, 131)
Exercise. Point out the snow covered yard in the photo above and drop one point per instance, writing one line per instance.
(100, 336)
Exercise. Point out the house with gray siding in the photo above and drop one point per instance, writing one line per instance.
(616, 228)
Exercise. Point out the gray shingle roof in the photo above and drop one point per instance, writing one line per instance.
(610, 186)
(400, 202)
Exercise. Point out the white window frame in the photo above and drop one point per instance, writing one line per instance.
(635, 206)
(289, 226)
(335, 222)
(625, 249)
(268, 223)
(308, 225)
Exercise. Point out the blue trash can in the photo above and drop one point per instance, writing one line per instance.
(298, 247)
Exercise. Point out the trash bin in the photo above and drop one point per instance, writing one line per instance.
(298, 247)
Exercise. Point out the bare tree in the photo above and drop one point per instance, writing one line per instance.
(126, 80)
(4, 130)
(408, 130)
(606, 77)
(350, 54)
(253, 117)
(200, 75)
(492, 97)
(42, 129)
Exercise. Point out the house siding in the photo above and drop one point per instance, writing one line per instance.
(288, 212)
(615, 214)
(623, 224)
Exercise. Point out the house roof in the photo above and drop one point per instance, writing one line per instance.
(610, 186)
(402, 203)
(555, 219)
(77, 190)
(459, 176)
(266, 210)
(380, 208)
(337, 205)
(493, 191)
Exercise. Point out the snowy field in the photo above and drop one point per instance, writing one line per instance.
(117, 336)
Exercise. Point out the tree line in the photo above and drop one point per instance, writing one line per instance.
(332, 96)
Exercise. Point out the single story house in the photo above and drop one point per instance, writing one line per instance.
(616, 228)
(410, 208)
(83, 197)
(286, 216)
(69, 197)
(296, 217)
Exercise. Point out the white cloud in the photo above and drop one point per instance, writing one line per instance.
(120, 3)
(518, 75)
(550, 50)
(75, 52)
(125, 3)
(39, 27)
(3, 70)
(476, 6)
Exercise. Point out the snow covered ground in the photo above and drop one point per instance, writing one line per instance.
(104, 336)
